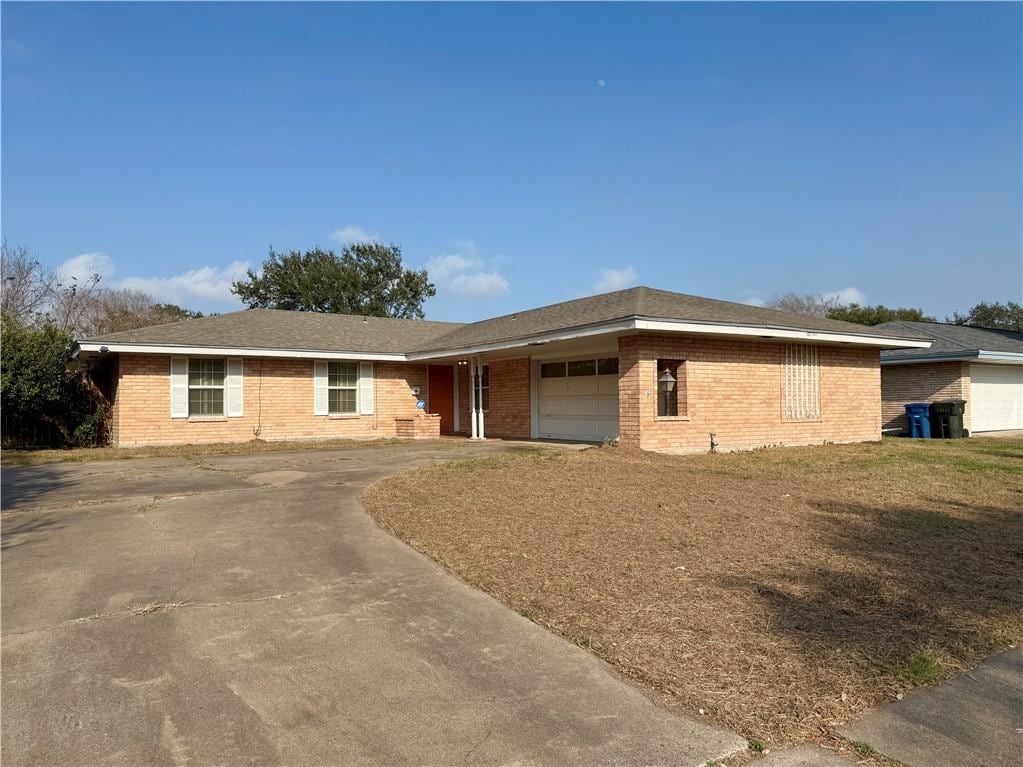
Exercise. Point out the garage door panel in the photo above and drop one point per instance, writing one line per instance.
(583, 407)
(581, 385)
(607, 385)
(996, 393)
(553, 386)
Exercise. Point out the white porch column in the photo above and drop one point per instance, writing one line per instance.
(479, 370)
(472, 400)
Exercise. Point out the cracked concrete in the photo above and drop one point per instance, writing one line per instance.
(246, 611)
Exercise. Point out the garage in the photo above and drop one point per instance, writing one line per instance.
(996, 392)
(577, 399)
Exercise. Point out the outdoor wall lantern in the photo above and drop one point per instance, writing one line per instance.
(666, 386)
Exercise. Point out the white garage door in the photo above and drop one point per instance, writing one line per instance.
(578, 399)
(997, 394)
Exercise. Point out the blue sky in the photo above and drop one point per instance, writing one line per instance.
(527, 153)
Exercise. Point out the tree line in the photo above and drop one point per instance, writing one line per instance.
(997, 316)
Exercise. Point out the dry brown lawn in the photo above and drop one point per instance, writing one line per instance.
(782, 591)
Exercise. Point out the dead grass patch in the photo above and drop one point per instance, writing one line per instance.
(79, 454)
(782, 591)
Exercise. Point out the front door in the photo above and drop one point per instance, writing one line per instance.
(441, 392)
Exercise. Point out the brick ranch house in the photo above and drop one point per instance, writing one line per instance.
(980, 365)
(658, 370)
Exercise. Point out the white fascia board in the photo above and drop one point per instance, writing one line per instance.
(699, 328)
(234, 351)
(537, 340)
(994, 358)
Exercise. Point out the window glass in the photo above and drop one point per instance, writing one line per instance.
(582, 368)
(205, 402)
(484, 388)
(552, 370)
(342, 383)
(668, 382)
(607, 366)
(342, 374)
(205, 372)
(205, 387)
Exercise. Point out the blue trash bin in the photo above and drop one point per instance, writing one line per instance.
(918, 415)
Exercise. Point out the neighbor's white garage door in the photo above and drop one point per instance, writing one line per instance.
(997, 394)
(578, 399)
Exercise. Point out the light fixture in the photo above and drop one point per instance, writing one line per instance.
(665, 386)
(463, 362)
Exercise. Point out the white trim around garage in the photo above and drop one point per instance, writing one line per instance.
(993, 358)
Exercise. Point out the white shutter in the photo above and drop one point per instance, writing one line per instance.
(366, 388)
(320, 400)
(234, 388)
(179, 387)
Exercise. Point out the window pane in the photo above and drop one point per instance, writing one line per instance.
(205, 372)
(342, 374)
(552, 370)
(341, 401)
(667, 391)
(486, 375)
(607, 366)
(486, 399)
(205, 402)
(582, 368)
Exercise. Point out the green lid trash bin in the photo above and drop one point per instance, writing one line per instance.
(947, 419)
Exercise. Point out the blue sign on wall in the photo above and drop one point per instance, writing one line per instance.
(421, 404)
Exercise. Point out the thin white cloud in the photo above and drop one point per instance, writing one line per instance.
(844, 296)
(82, 267)
(479, 285)
(754, 301)
(352, 233)
(205, 287)
(463, 273)
(615, 279)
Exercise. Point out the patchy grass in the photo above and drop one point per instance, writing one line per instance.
(922, 668)
(782, 591)
(78, 454)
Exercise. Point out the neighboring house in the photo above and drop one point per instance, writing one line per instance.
(980, 365)
(657, 369)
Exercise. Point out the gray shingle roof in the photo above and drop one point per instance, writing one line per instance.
(949, 340)
(635, 302)
(312, 331)
(278, 329)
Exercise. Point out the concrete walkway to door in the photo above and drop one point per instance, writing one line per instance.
(245, 610)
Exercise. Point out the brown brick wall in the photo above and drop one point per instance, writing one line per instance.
(509, 414)
(929, 382)
(285, 389)
(735, 389)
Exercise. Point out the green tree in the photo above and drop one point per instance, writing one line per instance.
(875, 315)
(1007, 316)
(40, 384)
(364, 278)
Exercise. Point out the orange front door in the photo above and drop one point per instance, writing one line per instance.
(441, 390)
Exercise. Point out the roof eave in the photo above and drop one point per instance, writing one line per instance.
(111, 347)
(676, 326)
(976, 355)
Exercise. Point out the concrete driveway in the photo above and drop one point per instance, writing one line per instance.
(245, 610)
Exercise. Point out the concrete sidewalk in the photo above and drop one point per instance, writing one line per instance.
(974, 720)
